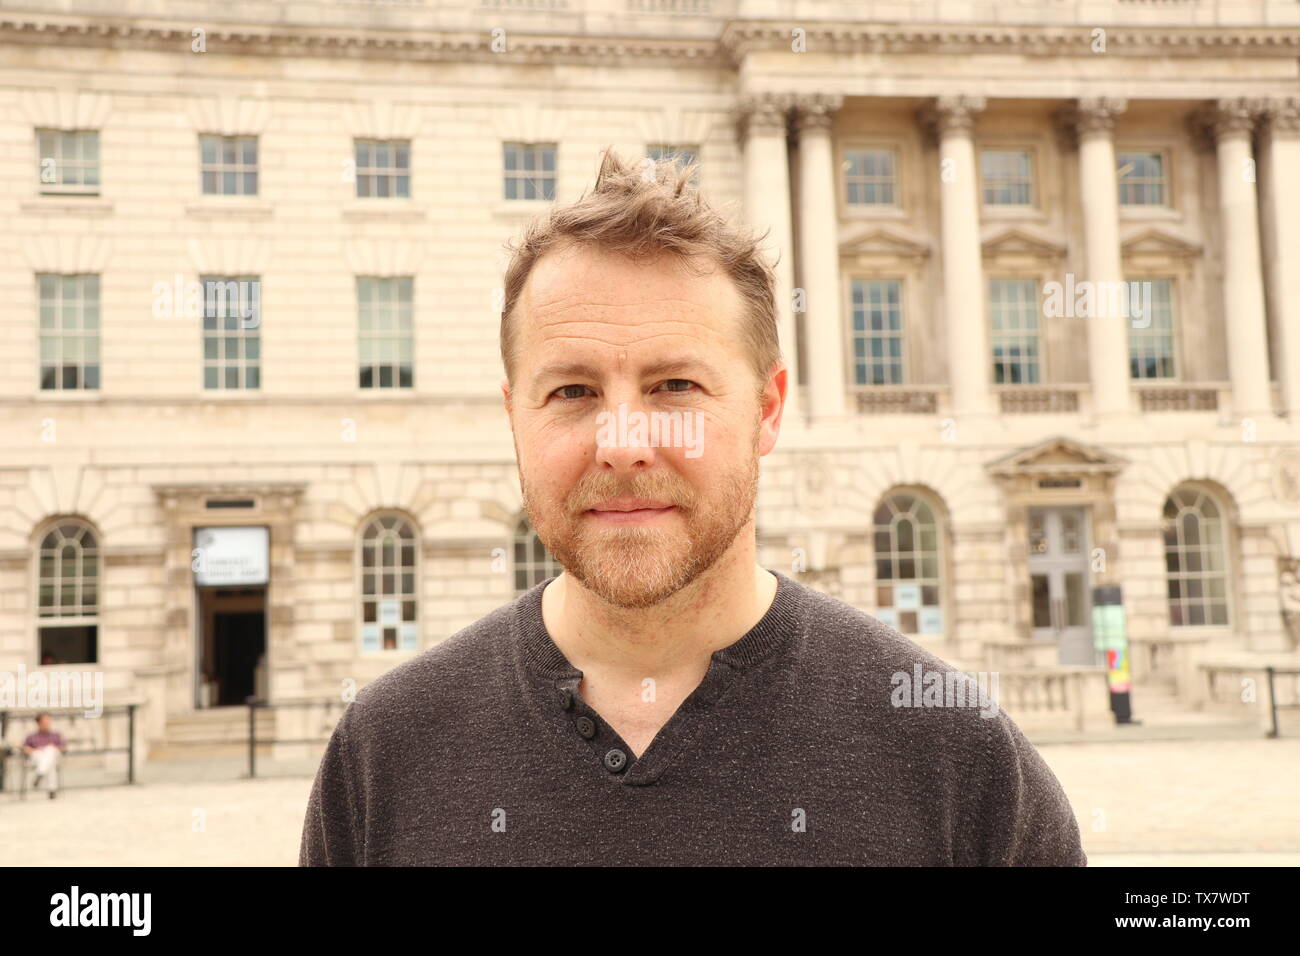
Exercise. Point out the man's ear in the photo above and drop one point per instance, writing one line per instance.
(505, 395)
(772, 407)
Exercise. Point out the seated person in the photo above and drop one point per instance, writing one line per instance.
(45, 748)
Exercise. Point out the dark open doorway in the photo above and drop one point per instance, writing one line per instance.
(232, 645)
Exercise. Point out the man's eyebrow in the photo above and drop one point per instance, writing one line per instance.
(583, 370)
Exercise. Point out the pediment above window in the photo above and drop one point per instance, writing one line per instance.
(1154, 246)
(1018, 243)
(1057, 456)
(882, 245)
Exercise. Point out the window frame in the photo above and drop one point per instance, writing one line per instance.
(59, 333)
(1227, 545)
(675, 150)
(1166, 160)
(1044, 378)
(238, 168)
(1035, 204)
(940, 580)
(905, 352)
(525, 535)
(59, 188)
(44, 531)
(1175, 297)
(401, 595)
(393, 175)
(374, 336)
(517, 175)
(242, 335)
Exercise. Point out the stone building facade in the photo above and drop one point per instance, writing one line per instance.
(967, 453)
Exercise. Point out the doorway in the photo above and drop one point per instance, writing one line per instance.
(231, 648)
(1059, 585)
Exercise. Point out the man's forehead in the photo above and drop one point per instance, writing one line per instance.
(591, 293)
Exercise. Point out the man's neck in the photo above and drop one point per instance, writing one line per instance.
(672, 640)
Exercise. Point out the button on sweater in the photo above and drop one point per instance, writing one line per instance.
(802, 745)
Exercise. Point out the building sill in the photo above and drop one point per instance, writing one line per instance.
(385, 209)
(218, 207)
(67, 204)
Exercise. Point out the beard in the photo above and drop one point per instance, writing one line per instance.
(639, 567)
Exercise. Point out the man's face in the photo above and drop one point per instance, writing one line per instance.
(43, 724)
(637, 421)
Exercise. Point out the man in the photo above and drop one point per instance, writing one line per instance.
(665, 700)
(44, 748)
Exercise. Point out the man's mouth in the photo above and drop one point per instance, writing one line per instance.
(630, 510)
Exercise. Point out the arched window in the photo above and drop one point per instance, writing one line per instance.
(67, 595)
(1196, 565)
(908, 577)
(533, 563)
(389, 603)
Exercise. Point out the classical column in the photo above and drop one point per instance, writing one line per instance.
(819, 255)
(1108, 351)
(767, 209)
(1280, 146)
(1230, 122)
(969, 359)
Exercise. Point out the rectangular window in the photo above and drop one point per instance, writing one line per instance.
(228, 165)
(529, 170)
(383, 168)
(683, 155)
(1142, 179)
(1007, 176)
(386, 348)
(68, 161)
(1013, 315)
(870, 177)
(232, 332)
(69, 331)
(877, 332)
(1151, 336)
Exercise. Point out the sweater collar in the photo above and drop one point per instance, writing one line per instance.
(782, 621)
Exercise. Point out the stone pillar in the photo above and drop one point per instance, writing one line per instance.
(819, 255)
(1108, 350)
(767, 209)
(1280, 145)
(1230, 123)
(969, 359)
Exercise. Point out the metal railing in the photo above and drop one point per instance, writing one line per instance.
(329, 705)
(72, 718)
(1273, 705)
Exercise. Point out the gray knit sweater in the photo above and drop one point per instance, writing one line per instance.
(793, 750)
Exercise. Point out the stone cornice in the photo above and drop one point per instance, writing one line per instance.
(735, 40)
(740, 38)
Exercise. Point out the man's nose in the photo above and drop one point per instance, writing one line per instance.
(623, 436)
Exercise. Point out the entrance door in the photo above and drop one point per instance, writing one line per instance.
(232, 645)
(1058, 576)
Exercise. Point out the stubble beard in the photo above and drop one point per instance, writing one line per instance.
(639, 567)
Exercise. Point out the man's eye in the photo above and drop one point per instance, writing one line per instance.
(684, 384)
(571, 391)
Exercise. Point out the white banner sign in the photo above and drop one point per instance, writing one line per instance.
(227, 556)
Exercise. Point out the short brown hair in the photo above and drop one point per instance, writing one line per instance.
(642, 211)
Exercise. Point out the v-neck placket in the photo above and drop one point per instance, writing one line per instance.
(556, 681)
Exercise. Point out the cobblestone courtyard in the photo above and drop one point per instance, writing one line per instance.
(1216, 802)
